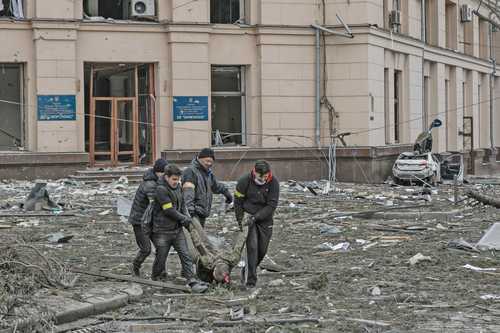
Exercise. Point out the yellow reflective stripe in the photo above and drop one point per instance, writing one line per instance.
(239, 194)
(167, 205)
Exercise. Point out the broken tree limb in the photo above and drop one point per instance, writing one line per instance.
(292, 273)
(365, 214)
(166, 318)
(134, 279)
(48, 214)
(225, 323)
(485, 199)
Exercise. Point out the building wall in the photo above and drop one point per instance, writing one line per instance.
(277, 49)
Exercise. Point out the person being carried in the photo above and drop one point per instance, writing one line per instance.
(169, 216)
(199, 184)
(257, 194)
(144, 195)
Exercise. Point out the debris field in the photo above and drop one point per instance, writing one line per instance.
(362, 258)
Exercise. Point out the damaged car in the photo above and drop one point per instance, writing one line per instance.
(421, 165)
(413, 167)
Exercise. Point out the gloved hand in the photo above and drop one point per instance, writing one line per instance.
(229, 197)
(200, 212)
(250, 220)
(229, 207)
(186, 222)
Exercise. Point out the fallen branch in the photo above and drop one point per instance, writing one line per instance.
(485, 199)
(36, 215)
(111, 318)
(291, 273)
(133, 279)
(364, 214)
(225, 323)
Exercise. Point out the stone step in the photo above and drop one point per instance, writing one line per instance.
(114, 172)
(108, 175)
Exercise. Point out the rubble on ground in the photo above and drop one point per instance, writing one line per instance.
(338, 262)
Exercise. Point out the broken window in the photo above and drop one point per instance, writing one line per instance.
(397, 105)
(119, 9)
(11, 108)
(227, 11)
(12, 8)
(387, 118)
(228, 105)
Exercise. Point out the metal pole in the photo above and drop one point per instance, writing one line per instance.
(318, 92)
(455, 189)
(422, 32)
(492, 100)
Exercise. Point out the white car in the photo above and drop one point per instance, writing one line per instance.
(413, 167)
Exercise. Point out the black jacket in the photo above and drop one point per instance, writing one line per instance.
(258, 200)
(199, 201)
(169, 208)
(145, 193)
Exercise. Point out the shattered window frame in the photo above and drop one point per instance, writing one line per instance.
(224, 11)
(8, 11)
(93, 11)
(238, 91)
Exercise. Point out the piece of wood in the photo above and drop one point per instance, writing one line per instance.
(225, 323)
(41, 214)
(485, 199)
(291, 273)
(166, 318)
(134, 279)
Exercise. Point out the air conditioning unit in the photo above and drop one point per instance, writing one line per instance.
(142, 8)
(395, 18)
(466, 13)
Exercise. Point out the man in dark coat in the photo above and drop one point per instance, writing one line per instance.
(199, 184)
(144, 195)
(257, 194)
(169, 216)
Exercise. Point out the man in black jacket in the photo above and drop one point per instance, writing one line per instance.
(169, 216)
(144, 195)
(199, 184)
(257, 194)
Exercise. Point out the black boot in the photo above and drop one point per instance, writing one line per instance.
(136, 271)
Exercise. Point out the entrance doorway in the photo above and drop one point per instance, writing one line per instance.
(120, 116)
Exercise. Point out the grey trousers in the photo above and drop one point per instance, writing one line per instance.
(163, 242)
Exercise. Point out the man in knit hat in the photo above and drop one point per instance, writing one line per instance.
(199, 184)
(144, 195)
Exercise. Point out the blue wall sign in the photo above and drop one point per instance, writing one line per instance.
(190, 108)
(56, 107)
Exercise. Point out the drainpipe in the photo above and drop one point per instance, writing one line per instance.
(318, 89)
(492, 83)
(422, 33)
(317, 28)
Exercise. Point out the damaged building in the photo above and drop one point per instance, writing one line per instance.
(110, 83)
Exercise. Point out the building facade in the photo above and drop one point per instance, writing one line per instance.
(122, 81)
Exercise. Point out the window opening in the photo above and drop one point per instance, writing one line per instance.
(228, 105)
(11, 108)
(12, 8)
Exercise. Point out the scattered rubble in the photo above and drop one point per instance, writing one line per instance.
(417, 258)
(340, 261)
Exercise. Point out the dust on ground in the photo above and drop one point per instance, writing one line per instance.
(341, 271)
